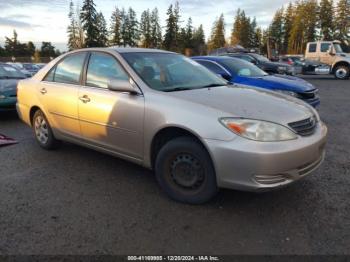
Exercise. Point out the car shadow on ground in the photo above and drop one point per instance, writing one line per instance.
(124, 172)
(8, 115)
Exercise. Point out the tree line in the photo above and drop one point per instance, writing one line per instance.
(88, 28)
(308, 21)
(290, 30)
(14, 48)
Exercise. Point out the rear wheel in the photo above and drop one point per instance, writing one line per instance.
(185, 171)
(43, 132)
(342, 72)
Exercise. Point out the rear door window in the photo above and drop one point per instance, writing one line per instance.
(68, 71)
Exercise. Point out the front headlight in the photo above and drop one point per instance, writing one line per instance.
(258, 130)
(290, 93)
(282, 68)
(2, 97)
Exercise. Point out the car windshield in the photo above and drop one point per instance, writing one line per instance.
(29, 66)
(8, 72)
(260, 58)
(338, 48)
(171, 72)
(243, 68)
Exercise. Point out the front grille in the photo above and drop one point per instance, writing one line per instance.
(304, 127)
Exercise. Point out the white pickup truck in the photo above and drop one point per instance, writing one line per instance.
(331, 53)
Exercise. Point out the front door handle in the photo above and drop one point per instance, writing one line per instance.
(85, 99)
(43, 91)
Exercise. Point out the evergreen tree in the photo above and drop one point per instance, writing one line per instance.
(343, 23)
(124, 31)
(88, 16)
(326, 19)
(169, 42)
(116, 24)
(311, 19)
(14, 48)
(189, 34)
(80, 37)
(145, 29)
(102, 30)
(296, 41)
(288, 19)
(243, 30)
(156, 31)
(72, 28)
(199, 47)
(47, 50)
(276, 30)
(217, 39)
(133, 29)
(177, 23)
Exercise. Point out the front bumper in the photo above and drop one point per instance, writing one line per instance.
(259, 166)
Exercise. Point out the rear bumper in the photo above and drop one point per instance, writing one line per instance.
(23, 112)
(259, 166)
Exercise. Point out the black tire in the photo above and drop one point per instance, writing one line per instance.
(342, 72)
(46, 140)
(184, 170)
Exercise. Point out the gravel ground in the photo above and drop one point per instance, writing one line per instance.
(77, 201)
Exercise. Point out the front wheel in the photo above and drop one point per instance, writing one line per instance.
(342, 72)
(43, 132)
(184, 170)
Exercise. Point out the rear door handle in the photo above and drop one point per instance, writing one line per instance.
(43, 91)
(85, 99)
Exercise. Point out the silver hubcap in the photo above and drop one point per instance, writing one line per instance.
(41, 130)
(341, 73)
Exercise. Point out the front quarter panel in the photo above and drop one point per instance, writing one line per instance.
(162, 111)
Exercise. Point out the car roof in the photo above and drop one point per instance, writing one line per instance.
(125, 50)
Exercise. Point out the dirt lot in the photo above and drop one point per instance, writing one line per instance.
(77, 201)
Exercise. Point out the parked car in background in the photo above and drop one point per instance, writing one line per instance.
(238, 71)
(21, 68)
(32, 68)
(166, 112)
(330, 53)
(40, 65)
(305, 66)
(9, 77)
(264, 63)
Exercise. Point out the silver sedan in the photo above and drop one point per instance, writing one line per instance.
(168, 113)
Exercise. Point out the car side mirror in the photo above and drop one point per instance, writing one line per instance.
(122, 86)
(331, 51)
(254, 62)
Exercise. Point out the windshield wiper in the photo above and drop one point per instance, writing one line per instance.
(213, 85)
(177, 89)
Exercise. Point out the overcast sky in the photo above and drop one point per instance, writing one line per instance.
(46, 20)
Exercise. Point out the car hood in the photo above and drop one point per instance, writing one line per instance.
(8, 86)
(277, 82)
(237, 101)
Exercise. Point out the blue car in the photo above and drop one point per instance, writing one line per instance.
(238, 71)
